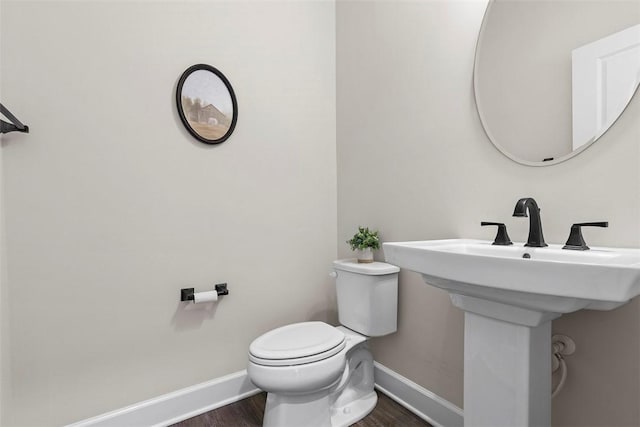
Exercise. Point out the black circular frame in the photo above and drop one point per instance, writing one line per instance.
(185, 122)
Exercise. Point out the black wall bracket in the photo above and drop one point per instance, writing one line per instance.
(15, 125)
(186, 294)
(221, 289)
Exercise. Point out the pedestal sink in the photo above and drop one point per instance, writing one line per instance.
(510, 294)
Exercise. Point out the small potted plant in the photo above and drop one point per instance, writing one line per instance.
(363, 243)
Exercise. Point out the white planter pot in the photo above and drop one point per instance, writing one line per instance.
(364, 255)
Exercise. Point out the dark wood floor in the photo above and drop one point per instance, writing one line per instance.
(248, 413)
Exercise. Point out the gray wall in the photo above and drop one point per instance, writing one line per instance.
(112, 207)
(414, 162)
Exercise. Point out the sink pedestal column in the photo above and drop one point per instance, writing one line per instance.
(507, 364)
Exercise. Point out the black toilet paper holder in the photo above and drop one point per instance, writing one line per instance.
(186, 294)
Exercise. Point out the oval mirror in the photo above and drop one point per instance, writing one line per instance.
(550, 77)
(206, 104)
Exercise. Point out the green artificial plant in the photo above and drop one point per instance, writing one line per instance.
(364, 239)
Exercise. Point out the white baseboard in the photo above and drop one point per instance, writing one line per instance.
(200, 398)
(422, 402)
(178, 405)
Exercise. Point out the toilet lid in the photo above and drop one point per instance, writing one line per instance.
(296, 344)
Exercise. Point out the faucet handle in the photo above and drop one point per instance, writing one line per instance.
(576, 241)
(502, 238)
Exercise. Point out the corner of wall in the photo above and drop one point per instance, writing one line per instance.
(2, 299)
(5, 365)
(5, 377)
(5, 383)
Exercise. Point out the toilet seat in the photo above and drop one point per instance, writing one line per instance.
(297, 344)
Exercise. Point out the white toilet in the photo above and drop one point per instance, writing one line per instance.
(317, 375)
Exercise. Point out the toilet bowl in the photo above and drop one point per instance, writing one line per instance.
(298, 358)
(324, 392)
(318, 375)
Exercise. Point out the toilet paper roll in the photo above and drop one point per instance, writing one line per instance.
(209, 296)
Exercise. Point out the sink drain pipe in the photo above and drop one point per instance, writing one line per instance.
(563, 373)
(561, 346)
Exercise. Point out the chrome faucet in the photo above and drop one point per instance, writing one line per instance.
(536, 239)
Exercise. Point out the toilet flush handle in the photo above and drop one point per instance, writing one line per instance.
(333, 274)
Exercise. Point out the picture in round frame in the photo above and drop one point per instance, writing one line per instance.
(206, 104)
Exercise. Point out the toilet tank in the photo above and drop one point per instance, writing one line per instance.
(367, 296)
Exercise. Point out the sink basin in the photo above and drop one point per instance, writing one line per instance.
(549, 279)
(510, 295)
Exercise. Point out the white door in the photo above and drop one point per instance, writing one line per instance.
(605, 74)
